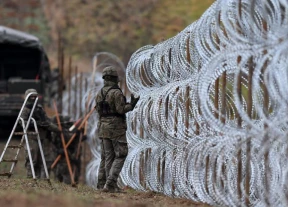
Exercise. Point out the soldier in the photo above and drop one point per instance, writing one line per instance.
(111, 106)
(44, 125)
(74, 152)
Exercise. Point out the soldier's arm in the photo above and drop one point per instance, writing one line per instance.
(120, 103)
(97, 103)
(25, 115)
(47, 123)
(52, 127)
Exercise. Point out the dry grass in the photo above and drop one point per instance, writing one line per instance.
(21, 192)
(19, 171)
(27, 192)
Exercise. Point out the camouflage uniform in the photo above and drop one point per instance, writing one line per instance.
(49, 151)
(62, 172)
(112, 129)
(101, 173)
(44, 125)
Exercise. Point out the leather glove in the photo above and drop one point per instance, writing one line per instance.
(79, 131)
(134, 100)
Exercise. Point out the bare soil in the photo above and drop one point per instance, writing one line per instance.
(21, 192)
(27, 192)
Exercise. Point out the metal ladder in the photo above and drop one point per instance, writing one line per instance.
(24, 134)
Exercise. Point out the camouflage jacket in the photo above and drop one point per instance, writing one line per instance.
(112, 126)
(72, 148)
(41, 118)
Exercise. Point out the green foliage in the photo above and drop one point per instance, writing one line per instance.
(122, 27)
(26, 16)
(89, 26)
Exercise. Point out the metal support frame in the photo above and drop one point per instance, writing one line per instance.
(24, 134)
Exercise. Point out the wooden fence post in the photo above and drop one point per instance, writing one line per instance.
(239, 123)
(75, 93)
(69, 85)
(248, 144)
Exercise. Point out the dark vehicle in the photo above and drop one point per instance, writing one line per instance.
(23, 65)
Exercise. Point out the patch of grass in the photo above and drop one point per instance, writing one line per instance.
(27, 192)
(34, 192)
(21, 192)
(19, 170)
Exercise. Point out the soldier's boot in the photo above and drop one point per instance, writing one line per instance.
(100, 185)
(29, 173)
(29, 170)
(28, 167)
(109, 188)
(43, 173)
(118, 189)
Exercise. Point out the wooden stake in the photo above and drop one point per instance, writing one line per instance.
(72, 137)
(216, 100)
(64, 146)
(75, 94)
(69, 85)
(239, 123)
(248, 144)
(187, 110)
(80, 94)
(223, 98)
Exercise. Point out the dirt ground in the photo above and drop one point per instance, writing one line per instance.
(27, 192)
(21, 192)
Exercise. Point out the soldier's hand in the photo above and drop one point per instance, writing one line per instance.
(134, 100)
(79, 131)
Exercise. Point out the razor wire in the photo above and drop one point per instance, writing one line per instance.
(211, 123)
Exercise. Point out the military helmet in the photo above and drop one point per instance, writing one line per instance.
(110, 70)
(31, 90)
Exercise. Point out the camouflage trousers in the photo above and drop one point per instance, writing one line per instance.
(49, 153)
(36, 160)
(101, 173)
(115, 153)
(62, 172)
